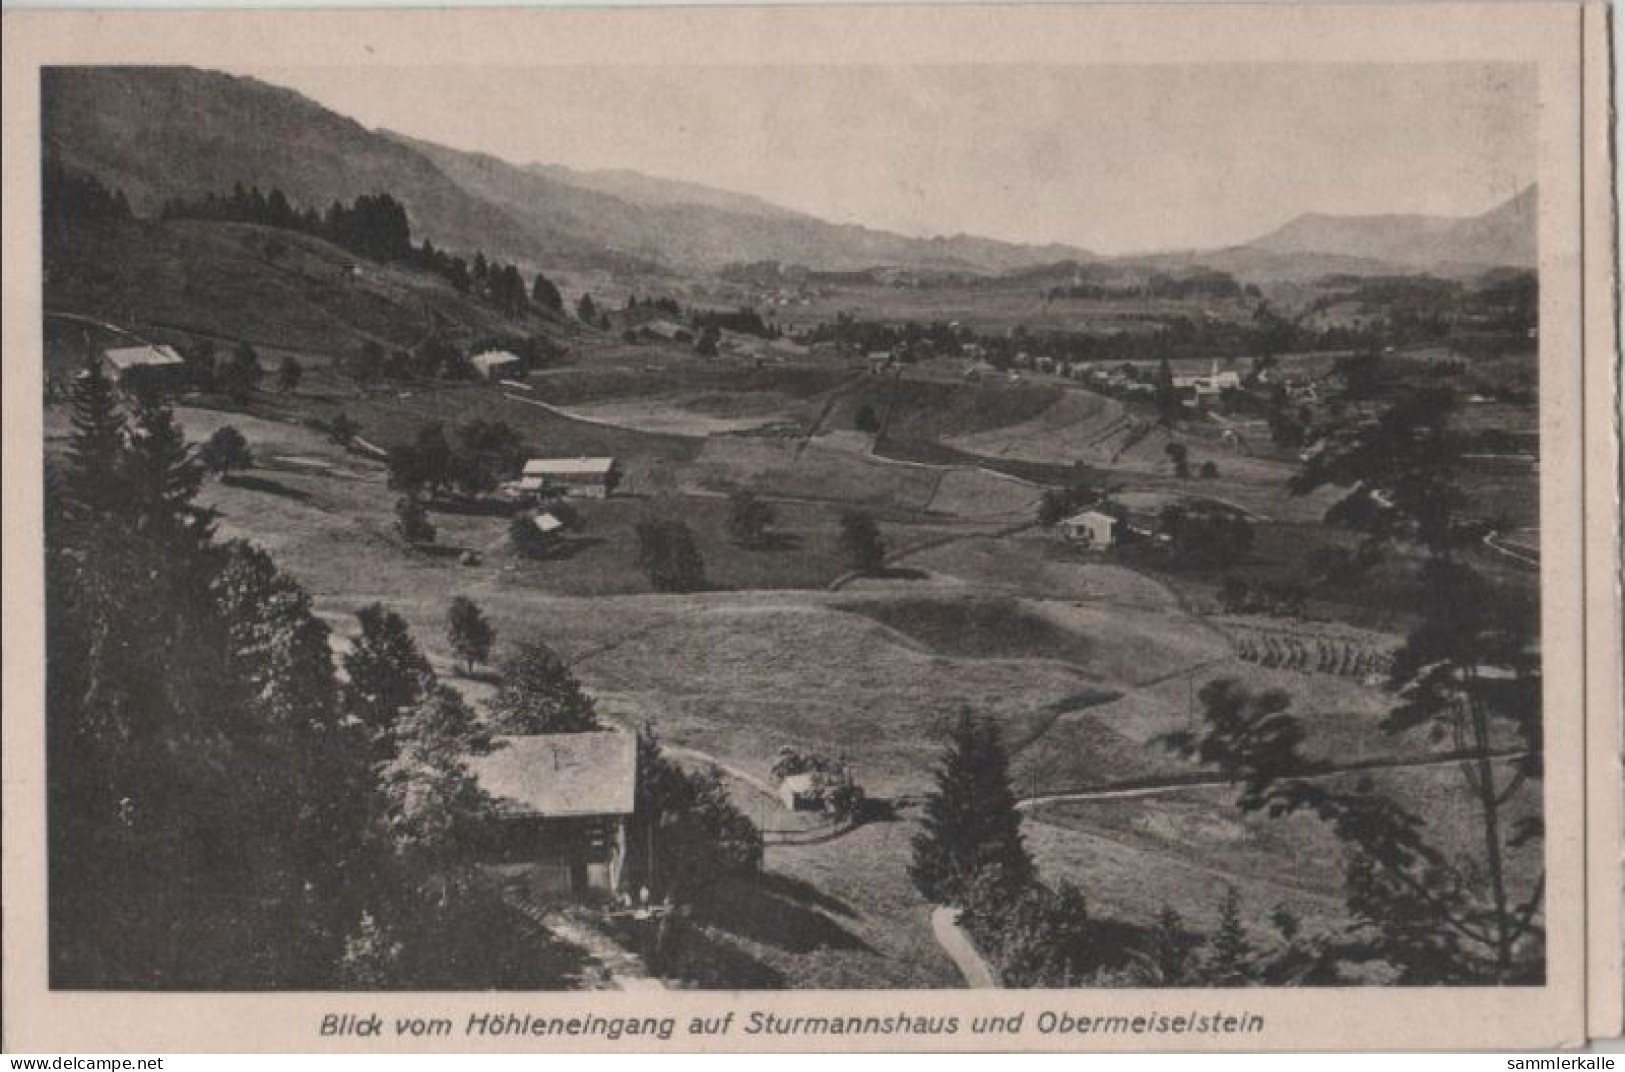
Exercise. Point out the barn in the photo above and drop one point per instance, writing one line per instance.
(565, 803)
(158, 362)
(590, 478)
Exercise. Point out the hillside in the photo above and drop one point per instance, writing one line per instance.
(1503, 236)
(276, 289)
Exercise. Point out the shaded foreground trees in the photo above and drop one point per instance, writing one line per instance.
(224, 811)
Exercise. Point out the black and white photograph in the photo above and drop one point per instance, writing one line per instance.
(743, 526)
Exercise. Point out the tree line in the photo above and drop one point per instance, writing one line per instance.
(376, 226)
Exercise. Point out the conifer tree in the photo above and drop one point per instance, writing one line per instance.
(971, 824)
(1229, 954)
(96, 444)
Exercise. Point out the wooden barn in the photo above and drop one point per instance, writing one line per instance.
(590, 478)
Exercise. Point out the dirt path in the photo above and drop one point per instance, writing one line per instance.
(961, 950)
(1130, 792)
(612, 967)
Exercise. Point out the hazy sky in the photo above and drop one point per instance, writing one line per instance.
(1115, 159)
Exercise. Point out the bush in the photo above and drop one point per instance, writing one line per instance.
(412, 521)
(861, 541)
(670, 557)
(225, 451)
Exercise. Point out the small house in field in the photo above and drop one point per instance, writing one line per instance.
(811, 790)
(497, 364)
(564, 804)
(586, 478)
(159, 363)
(1090, 529)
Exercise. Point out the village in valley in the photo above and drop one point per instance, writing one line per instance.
(916, 617)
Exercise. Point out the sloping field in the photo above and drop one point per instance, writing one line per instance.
(786, 468)
(1039, 563)
(980, 493)
(771, 466)
(1112, 644)
(928, 410)
(1077, 424)
(670, 417)
(280, 290)
(741, 681)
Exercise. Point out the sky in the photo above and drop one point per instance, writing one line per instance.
(1114, 159)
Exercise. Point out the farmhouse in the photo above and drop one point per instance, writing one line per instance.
(1092, 528)
(564, 803)
(159, 362)
(497, 364)
(1208, 386)
(587, 478)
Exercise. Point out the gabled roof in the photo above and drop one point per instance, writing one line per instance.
(487, 358)
(547, 522)
(557, 775)
(128, 357)
(569, 466)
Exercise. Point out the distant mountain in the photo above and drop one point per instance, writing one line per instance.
(164, 132)
(1503, 236)
(650, 191)
(685, 225)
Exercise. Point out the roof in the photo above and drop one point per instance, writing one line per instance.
(557, 775)
(1090, 517)
(569, 466)
(807, 781)
(547, 522)
(127, 357)
(488, 358)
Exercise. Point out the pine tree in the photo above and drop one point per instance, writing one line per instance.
(164, 476)
(971, 823)
(1229, 954)
(92, 482)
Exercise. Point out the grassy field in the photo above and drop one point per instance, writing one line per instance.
(1201, 830)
